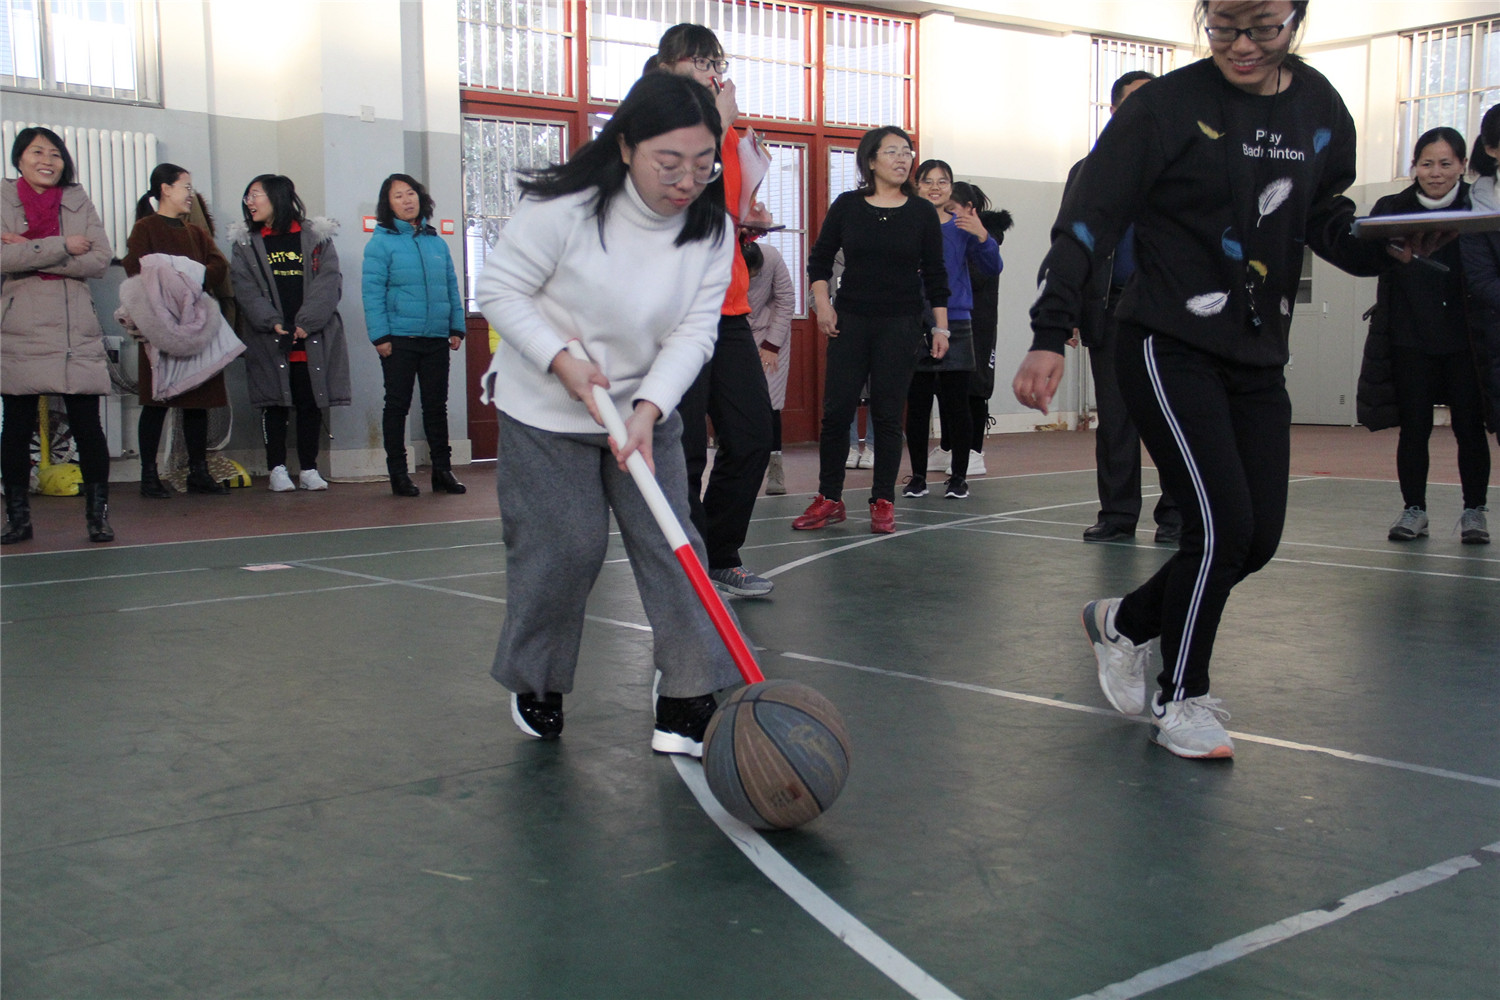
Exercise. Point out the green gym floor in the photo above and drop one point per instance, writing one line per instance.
(252, 750)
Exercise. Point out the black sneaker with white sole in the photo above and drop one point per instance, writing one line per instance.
(958, 489)
(916, 486)
(540, 717)
(681, 723)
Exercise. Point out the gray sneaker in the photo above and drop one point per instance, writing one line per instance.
(740, 582)
(1191, 727)
(1411, 524)
(1473, 528)
(1122, 664)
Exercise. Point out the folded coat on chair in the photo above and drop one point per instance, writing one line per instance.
(187, 338)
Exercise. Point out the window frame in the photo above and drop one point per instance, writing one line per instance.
(1409, 101)
(145, 25)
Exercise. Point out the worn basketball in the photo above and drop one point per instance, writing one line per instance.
(776, 754)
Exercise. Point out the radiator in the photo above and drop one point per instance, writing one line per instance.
(114, 168)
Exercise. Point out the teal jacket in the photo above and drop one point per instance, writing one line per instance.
(409, 286)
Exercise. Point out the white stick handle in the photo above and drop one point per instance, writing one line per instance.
(636, 463)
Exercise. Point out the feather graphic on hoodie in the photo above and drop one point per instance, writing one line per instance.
(1258, 268)
(1321, 138)
(1286, 307)
(1273, 197)
(1208, 304)
(1231, 244)
(1209, 131)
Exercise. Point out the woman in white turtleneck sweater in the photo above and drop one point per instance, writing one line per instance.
(1432, 359)
(625, 248)
(1481, 253)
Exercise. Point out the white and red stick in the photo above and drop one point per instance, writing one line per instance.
(676, 537)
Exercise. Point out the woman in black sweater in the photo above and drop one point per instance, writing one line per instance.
(1432, 359)
(1228, 167)
(893, 265)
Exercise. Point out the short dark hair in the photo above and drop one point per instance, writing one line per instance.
(165, 175)
(969, 194)
(755, 258)
(658, 103)
(1440, 134)
(1482, 163)
(27, 136)
(1299, 16)
(869, 148)
(928, 166)
(1117, 92)
(685, 41)
(286, 207)
(386, 216)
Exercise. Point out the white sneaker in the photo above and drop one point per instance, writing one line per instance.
(940, 458)
(1191, 727)
(1122, 664)
(867, 459)
(309, 479)
(280, 481)
(852, 462)
(976, 464)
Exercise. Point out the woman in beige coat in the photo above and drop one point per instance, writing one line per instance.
(51, 242)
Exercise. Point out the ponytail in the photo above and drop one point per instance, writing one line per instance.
(165, 175)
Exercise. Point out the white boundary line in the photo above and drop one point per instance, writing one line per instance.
(800, 889)
(1283, 930)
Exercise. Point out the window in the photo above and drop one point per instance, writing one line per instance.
(784, 193)
(103, 49)
(1450, 76)
(766, 43)
(1112, 59)
(867, 70)
(523, 46)
(493, 150)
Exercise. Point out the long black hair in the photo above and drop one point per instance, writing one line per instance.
(386, 216)
(969, 195)
(26, 136)
(165, 175)
(286, 207)
(658, 103)
(1481, 162)
(869, 148)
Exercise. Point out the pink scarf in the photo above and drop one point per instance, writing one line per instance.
(43, 214)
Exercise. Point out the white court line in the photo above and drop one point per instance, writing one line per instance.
(108, 576)
(843, 925)
(1283, 930)
(1436, 772)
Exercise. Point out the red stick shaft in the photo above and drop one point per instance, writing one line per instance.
(714, 605)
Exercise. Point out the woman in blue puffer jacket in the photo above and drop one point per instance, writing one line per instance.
(415, 316)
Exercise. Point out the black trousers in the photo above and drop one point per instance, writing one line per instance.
(1221, 436)
(420, 362)
(1423, 381)
(883, 350)
(194, 433)
(731, 391)
(21, 426)
(1117, 444)
(952, 389)
(274, 420)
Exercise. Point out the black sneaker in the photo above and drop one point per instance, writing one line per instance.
(681, 723)
(916, 486)
(540, 717)
(958, 489)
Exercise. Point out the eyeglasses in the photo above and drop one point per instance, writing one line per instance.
(897, 153)
(705, 64)
(254, 196)
(1258, 33)
(938, 182)
(702, 176)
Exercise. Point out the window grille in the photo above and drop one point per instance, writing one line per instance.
(1111, 59)
(1450, 76)
(493, 150)
(867, 70)
(100, 49)
(784, 193)
(521, 46)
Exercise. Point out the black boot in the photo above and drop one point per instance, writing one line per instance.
(151, 485)
(443, 482)
(96, 512)
(401, 483)
(18, 516)
(200, 480)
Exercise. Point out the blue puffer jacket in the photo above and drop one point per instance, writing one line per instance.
(409, 286)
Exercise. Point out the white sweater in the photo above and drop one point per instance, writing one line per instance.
(646, 311)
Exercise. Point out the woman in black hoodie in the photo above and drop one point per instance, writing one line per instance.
(1228, 167)
(1421, 310)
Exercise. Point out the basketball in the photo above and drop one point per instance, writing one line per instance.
(776, 754)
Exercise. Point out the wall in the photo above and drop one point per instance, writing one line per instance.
(336, 104)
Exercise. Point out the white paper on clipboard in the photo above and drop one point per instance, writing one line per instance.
(755, 163)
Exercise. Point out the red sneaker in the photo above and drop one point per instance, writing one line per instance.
(820, 514)
(882, 517)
